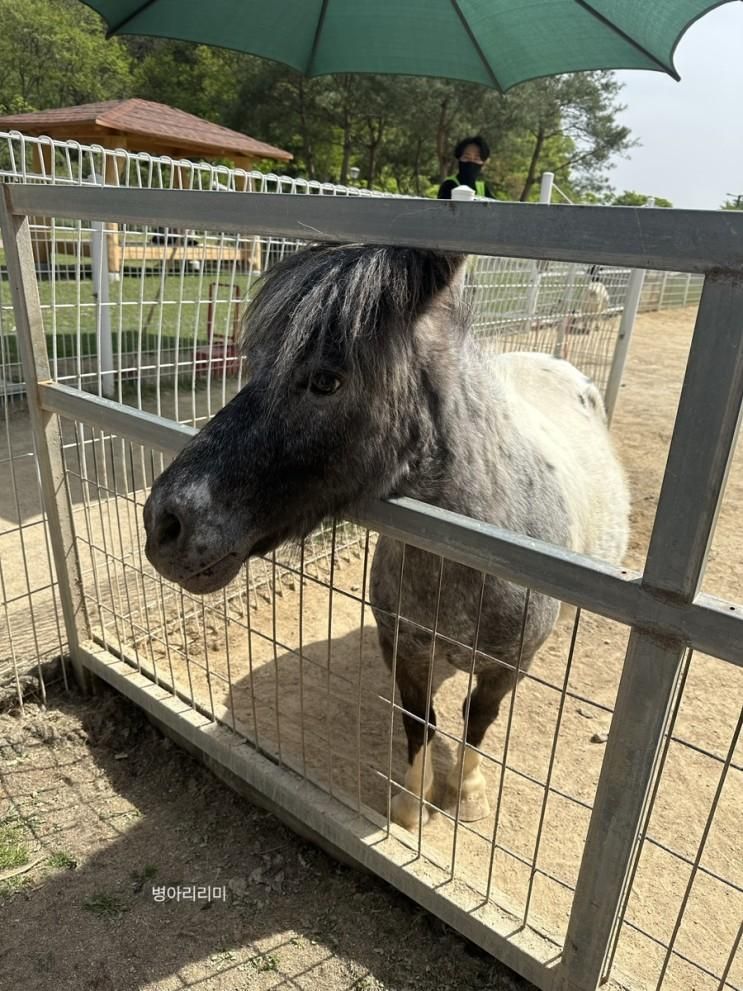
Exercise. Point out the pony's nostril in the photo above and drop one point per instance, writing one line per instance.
(168, 529)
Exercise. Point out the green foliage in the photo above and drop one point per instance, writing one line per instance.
(13, 850)
(631, 198)
(105, 905)
(733, 203)
(54, 54)
(398, 132)
(62, 860)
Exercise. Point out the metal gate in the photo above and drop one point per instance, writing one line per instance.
(152, 642)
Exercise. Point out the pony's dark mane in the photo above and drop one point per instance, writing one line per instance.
(324, 301)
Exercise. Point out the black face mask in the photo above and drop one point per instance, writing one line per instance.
(468, 173)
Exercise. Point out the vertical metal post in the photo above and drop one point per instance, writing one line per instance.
(101, 279)
(545, 188)
(626, 325)
(662, 293)
(630, 309)
(16, 234)
(99, 260)
(701, 450)
(535, 271)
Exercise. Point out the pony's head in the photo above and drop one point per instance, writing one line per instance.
(341, 346)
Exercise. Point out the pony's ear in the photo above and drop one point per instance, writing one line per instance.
(440, 278)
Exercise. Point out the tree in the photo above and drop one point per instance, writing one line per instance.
(733, 203)
(54, 53)
(571, 119)
(194, 78)
(630, 198)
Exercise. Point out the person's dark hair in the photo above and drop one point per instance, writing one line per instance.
(476, 140)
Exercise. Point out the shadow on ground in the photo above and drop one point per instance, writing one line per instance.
(111, 809)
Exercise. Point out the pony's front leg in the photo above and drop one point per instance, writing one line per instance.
(466, 781)
(471, 803)
(408, 808)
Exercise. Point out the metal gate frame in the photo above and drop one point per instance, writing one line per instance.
(663, 605)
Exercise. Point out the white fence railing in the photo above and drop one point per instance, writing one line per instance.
(668, 290)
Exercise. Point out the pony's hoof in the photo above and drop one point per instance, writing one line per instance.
(472, 807)
(408, 812)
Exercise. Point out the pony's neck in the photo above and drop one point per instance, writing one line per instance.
(459, 415)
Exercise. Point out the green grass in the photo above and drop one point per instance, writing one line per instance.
(13, 850)
(140, 878)
(168, 311)
(62, 861)
(265, 963)
(105, 905)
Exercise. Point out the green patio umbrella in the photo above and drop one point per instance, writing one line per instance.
(497, 43)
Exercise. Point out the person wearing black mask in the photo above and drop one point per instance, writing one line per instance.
(471, 154)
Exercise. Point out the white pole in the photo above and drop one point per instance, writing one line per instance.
(626, 326)
(621, 348)
(99, 265)
(545, 196)
(545, 189)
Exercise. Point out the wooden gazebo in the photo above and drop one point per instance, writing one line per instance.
(140, 126)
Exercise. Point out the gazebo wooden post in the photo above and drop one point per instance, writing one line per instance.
(111, 177)
(252, 254)
(42, 160)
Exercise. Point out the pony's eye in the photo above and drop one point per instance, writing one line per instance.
(324, 383)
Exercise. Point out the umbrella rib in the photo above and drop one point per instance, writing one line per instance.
(316, 39)
(483, 58)
(113, 28)
(628, 38)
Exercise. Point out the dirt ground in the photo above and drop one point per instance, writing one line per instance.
(330, 717)
(106, 810)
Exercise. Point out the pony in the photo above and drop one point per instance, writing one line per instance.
(365, 383)
(593, 305)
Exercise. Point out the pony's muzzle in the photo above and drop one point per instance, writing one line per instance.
(168, 532)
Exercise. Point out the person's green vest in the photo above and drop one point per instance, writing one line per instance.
(479, 185)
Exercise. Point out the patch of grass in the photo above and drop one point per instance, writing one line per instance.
(265, 963)
(105, 905)
(222, 956)
(10, 885)
(140, 878)
(62, 860)
(13, 851)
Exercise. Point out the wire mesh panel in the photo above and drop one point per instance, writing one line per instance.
(666, 290)
(691, 863)
(288, 658)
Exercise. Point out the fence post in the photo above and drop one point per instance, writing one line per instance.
(545, 196)
(621, 348)
(630, 310)
(99, 265)
(16, 235)
(101, 279)
(704, 435)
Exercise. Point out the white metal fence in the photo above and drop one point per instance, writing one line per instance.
(669, 290)
(148, 315)
(286, 690)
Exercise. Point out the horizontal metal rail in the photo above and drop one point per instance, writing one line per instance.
(710, 625)
(676, 240)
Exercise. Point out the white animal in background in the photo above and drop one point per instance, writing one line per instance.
(593, 305)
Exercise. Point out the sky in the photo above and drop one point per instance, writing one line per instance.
(691, 132)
